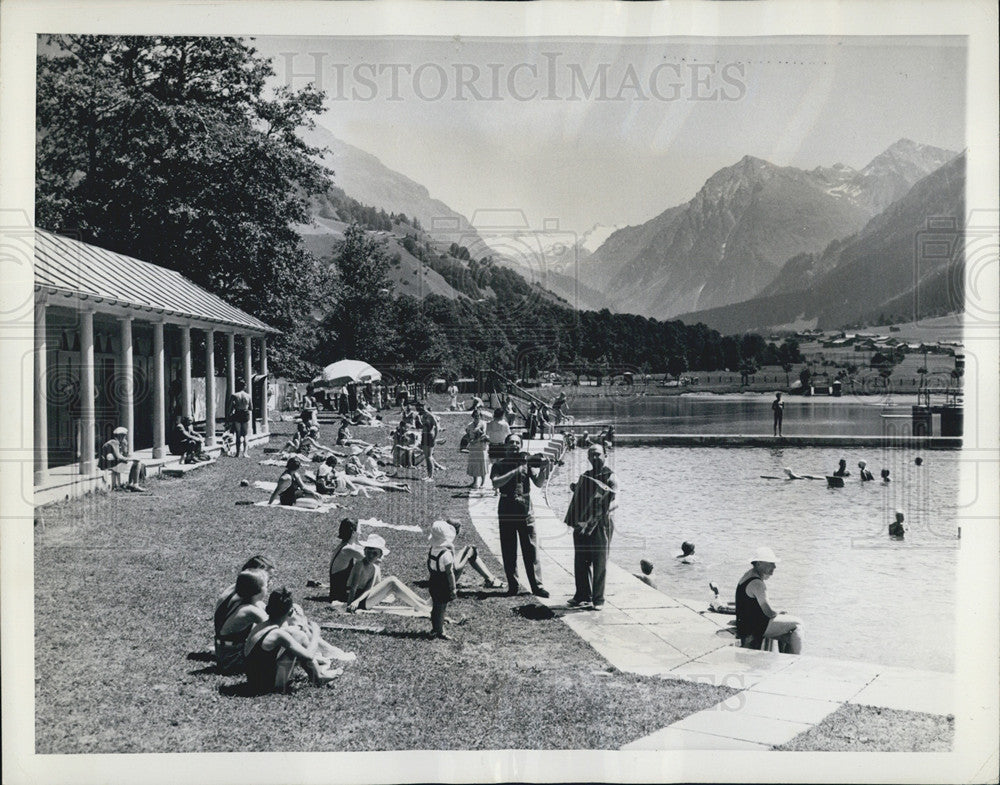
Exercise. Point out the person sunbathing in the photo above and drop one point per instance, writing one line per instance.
(344, 438)
(365, 586)
(235, 615)
(291, 490)
(274, 647)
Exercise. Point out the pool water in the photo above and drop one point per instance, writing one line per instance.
(748, 413)
(860, 595)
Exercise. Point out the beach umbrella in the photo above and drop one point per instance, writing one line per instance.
(344, 372)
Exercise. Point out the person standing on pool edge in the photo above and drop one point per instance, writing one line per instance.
(513, 475)
(778, 407)
(590, 515)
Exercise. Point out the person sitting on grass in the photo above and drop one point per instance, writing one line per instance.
(365, 586)
(184, 441)
(345, 554)
(404, 446)
(114, 457)
(274, 647)
(291, 491)
(441, 567)
(468, 556)
(235, 615)
(647, 573)
(344, 438)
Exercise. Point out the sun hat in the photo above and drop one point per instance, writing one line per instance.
(442, 534)
(764, 554)
(121, 430)
(375, 541)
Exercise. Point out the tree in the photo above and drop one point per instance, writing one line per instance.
(171, 149)
(361, 324)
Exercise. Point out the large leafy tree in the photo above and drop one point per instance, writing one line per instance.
(361, 326)
(174, 150)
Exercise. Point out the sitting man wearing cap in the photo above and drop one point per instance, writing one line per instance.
(755, 618)
(114, 456)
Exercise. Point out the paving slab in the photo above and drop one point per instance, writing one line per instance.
(638, 652)
(782, 707)
(932, 696)
(830, 668)
(735, 667)
(744, 727)
(809, 687)
(671, 738)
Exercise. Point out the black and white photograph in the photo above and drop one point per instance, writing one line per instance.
(486, 392)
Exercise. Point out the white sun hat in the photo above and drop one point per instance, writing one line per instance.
(764, 554)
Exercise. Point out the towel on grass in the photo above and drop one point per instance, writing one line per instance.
(395, 610)
(378, 524)
(322, 508)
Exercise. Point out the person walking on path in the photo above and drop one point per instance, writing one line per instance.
(590, 514)
(512, 475)
(428, 438)
(755, 618)
(778, 407)
(240, 404)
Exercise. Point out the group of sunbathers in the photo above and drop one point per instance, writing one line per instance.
(267, 638)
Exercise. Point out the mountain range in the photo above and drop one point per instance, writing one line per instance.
(755, 236)
(732, 239)
(905, 264)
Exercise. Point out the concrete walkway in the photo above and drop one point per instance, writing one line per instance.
(643, 631)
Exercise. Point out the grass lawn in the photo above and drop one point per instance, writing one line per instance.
(124, 590)
(868, 729)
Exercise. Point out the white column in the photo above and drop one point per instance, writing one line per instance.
(88, 448)
(209, 388)
(186, 371)
(265, 428)
(41, 395)
(230, 367)
(248, 375)
(159, 433)
(126, 406)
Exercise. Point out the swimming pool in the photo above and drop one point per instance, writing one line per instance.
(860, 595)
(748, 413)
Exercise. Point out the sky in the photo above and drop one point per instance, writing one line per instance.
(582, 131)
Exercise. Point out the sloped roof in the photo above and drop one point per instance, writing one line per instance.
(79, 268)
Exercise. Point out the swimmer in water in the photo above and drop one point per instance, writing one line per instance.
(842, 469)
(896, 529)
(647, 573)
(686, 556)
(866, 476)
(885, 475)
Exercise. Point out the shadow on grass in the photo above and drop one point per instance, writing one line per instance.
(410, 634)
(481, 594)
(534, 612)
(203, 656)
(240, 690)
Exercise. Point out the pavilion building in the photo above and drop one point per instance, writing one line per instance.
(113, 346)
